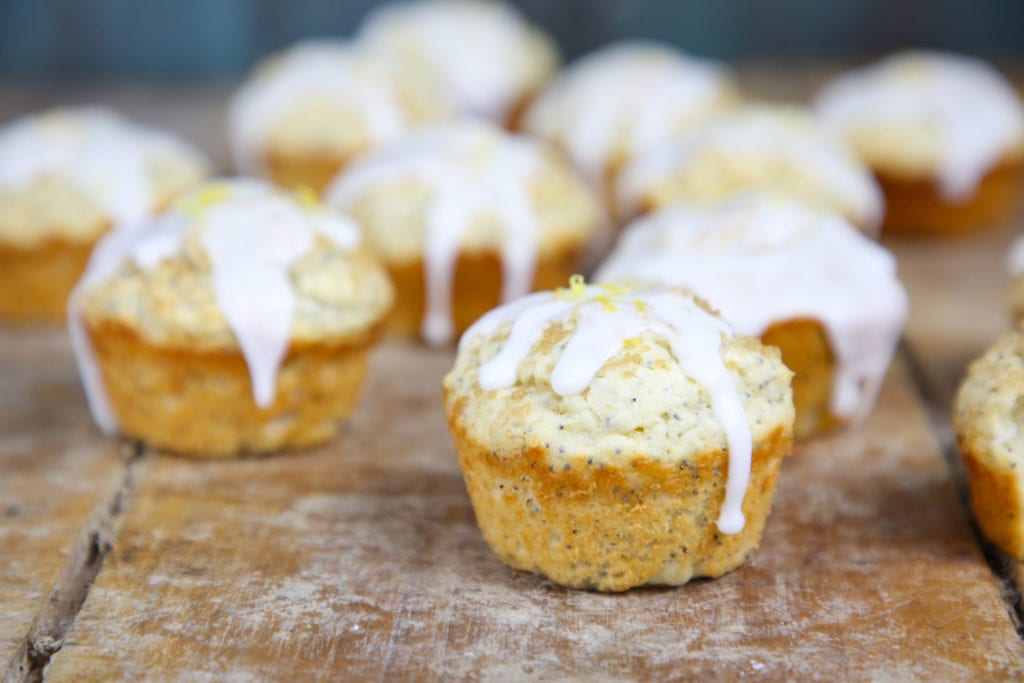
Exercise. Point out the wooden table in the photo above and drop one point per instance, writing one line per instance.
(361, 560)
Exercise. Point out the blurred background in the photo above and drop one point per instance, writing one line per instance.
(191, 39)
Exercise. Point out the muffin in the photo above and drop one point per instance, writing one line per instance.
(309, 111)
(238, 321)
(989, 421)
(776, 148)
(66, 177)
(464, 217)
(612, 439)
(1016, 267)
(624, 99)
(943, 133)
(799, 278)
(488, 60)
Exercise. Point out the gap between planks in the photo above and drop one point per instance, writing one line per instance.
(51, 625)
(938, 404)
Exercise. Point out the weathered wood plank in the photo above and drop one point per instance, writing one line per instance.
(959, 305)
(362, 561)
(54, 470)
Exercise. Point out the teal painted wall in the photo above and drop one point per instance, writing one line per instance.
(195, 38)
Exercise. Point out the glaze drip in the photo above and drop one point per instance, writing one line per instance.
(607, 318)
(968, 104)
(252, 234)
(760, 260)
(476, 48)
(637, 93)
(108, 158)
(787, 135)
(471, 169)
(335, 73)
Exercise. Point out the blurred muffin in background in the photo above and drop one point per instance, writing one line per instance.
(624, 99)
(801, 279)
(238, 321)
(464, 217)
(66, 177)
(307, 112)
(764, 147)
(943, 133)
(612, 438)
(488, 60)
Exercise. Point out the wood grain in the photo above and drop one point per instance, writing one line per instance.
(361, 561)
(55, 471)
(959, 306)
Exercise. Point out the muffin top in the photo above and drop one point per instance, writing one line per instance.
(625, 98)
(234, 265)
(778, 148)
(760, 260)
(485, 55)
(611, 374)
(927, 115)
(989, 410)
(466, 187)
(327, 98)
(71, 173)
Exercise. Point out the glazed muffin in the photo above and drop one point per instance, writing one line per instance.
(1016, 268)
(236, 322)
(943, 133)
(776, 148)
(624, 99)
(989, 422)
(464, 217)
(66, 177)
(487, 58)
(612, 439)
(801, 279)
(306, 113)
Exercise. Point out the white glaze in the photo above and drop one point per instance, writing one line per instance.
(471, 168)
(604, 320)
(108, 158)
(763, 132)
(970, 106)
(637, 92)
(477, 49)
(761, 260)
(334, 72)
(252, 234)
(1015, 262)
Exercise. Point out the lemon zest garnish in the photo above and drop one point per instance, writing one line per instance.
(631, 343)
(197, 202)
(307, 196)
(607, 302)
(615, 290)
(576, 290)
(641, 306)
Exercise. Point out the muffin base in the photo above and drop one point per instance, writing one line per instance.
(613, 528)
(476, 288)
(200, 403)
(997, 500)
(807, 352)
(35, 282)
(316, 172)
(914, 207)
